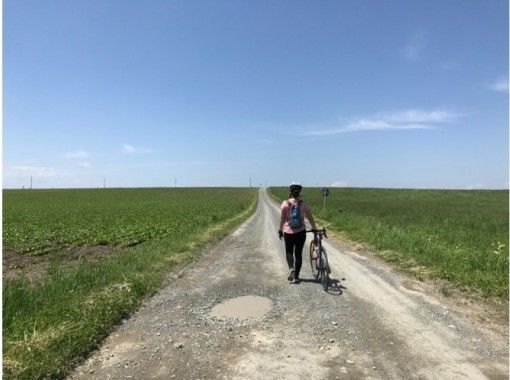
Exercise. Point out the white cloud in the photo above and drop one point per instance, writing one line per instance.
(84, 164)
(263, 141)
(449, 66)
(77, 154)
(34, 171)
(400, 120)
(500, 85)
(338, 184)
(476, 186)
(182, 163)
(318, 132)
(380, 125)
(414, 47)
(420, 116)
(126, 148)
(130, 149)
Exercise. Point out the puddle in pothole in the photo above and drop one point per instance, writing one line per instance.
(242, 307)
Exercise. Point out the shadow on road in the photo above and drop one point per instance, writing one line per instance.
(334, 287)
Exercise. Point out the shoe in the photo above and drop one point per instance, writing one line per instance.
(296, 280)
(291, 275)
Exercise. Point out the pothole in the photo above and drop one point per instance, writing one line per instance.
(244, 307)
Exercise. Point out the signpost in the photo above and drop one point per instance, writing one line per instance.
(325, 193)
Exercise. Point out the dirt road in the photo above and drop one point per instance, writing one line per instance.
(376, 325)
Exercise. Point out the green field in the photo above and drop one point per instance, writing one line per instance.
(41, 220)
(51, 323)
(459, 236)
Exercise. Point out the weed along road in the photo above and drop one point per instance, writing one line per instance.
(233, 315)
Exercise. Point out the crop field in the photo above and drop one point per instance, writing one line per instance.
(51, 322)
(41, 220)
(459, 236)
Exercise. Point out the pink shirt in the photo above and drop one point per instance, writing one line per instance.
(285, 215)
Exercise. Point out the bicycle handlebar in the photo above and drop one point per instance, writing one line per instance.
(322, 231)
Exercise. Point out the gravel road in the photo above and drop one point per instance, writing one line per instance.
(374, 324)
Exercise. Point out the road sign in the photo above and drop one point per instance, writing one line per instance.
(325, 193)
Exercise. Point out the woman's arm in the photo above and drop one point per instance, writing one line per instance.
(309, 215)
(283, 217)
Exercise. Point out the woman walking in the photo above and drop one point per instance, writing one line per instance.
(293, 229)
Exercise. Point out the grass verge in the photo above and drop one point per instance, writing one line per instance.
(50, 326)
(458, 236)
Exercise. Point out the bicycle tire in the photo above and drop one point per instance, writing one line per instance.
(325, 270)
(313, 262)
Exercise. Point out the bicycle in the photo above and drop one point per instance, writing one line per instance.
(318, 258)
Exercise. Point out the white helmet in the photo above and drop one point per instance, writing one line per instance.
(295, 187)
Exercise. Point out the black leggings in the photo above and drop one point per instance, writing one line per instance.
(294, 249)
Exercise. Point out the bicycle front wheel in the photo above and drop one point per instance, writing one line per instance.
(325, 271)
(313, 261)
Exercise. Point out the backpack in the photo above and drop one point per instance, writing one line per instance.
(295, 219)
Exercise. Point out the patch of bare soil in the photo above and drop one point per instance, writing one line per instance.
(34, 267)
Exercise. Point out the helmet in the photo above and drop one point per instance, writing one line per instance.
(295, 187)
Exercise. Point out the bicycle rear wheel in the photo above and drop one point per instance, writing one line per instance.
(313, 262)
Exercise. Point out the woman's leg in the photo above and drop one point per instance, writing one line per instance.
(289, 249)
(299, 241)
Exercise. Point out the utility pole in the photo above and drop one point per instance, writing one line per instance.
(30, 182)
(250, 182)
(104, 183)
(175, 182)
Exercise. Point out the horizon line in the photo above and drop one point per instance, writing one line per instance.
(259, 187)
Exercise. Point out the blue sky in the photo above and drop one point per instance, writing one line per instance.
(212, 93)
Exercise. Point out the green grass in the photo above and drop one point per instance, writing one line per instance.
(459, 236)
(50, 325)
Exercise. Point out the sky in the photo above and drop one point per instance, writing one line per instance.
(356, 93)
